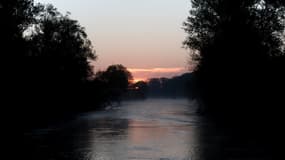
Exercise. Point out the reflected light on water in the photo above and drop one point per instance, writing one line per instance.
(136, 136)
(137, 130)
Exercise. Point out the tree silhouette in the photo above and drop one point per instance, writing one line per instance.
(238, 45)
(240, 52)
(16, 16)
(117, 76)
(116, 79)
(141, 89)
(178, 86)
(43, 45)
(154, 86)
(61, 46)
(46, 60)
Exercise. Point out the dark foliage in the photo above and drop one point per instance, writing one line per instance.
(137, 90)
(46, 60)
(240, 52)
(240, 73)
(179, 86)
(116, 80)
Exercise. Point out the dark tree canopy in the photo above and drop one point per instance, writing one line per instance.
(240, 26)
(239, 49)
(116, 80)
(240, 52)
(238, 35)
(46, 59)
(44, 44)
(18, 15)
(61, 46)
(117, 76)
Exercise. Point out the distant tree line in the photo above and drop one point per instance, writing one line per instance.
(47, 64)
(176, 87)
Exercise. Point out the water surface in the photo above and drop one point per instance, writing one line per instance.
(154, 129)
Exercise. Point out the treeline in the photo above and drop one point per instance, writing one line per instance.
(47, 64)
(177, 87)
(239, 47)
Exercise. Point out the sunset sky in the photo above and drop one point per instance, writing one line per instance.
(144, 35)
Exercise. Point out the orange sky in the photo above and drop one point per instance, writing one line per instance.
(144, 74)
(144, 35)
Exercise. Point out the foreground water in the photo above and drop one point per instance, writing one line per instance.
(154, 129)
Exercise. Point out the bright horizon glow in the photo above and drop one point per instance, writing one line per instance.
(139, 79)
(139, 34)
(159, 70)
(143, 74)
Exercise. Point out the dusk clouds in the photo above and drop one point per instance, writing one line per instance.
(144, 74)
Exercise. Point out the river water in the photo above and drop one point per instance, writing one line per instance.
(153, 129)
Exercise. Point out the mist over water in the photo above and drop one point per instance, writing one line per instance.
(150, 129)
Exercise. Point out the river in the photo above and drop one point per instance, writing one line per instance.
(153, 129)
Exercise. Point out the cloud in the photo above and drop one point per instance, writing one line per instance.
(146, 73)
(157, 70)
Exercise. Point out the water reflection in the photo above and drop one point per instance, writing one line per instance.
(151, 129)
(145, 130)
